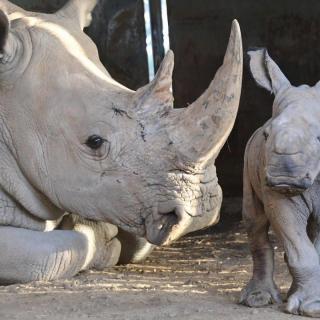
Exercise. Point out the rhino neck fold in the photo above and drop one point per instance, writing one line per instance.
(14, 215)
(21, 204)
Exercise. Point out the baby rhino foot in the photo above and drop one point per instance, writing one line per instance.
(259, 294)
(305, 301)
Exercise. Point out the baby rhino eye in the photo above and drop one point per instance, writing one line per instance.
(266, 132)
(95, 142)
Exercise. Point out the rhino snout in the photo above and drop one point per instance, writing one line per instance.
(164, 227)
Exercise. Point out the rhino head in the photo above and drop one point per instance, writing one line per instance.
(293, 134)
(75, 140)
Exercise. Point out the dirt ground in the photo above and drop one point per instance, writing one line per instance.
(198, 277)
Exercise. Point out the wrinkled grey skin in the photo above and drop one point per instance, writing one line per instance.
(281, 189)
(152, 175)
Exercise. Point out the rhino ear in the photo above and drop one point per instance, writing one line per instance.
(8, 41)
(80, 11)
(159, 91)
(4, 31)
(266, 72)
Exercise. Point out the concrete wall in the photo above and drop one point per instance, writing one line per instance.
(199, 31)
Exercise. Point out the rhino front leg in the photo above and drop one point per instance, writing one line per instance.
(261, 289)
(104, 247)
(133, 249)
(289, 217)
(28, 255)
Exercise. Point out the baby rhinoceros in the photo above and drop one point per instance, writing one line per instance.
(281, 189)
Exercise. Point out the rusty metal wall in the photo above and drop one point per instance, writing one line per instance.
(119, 32)
(199, 31)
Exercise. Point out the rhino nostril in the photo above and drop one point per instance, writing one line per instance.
(172, 215)
(169, 219)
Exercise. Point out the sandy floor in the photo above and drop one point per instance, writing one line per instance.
(199, 277)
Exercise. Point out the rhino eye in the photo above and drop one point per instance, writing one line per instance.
(95, 142)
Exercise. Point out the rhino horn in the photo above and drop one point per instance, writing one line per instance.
(201, 129)
(80, 11)
(159, 91)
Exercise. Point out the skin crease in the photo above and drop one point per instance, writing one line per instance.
(281, 189)
(145, 177)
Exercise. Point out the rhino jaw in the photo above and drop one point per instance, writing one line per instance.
(288, 185)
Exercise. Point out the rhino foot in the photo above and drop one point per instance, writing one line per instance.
(134, 249)
(105, 247)
(305, 302)
(110, 255)
(259, 294)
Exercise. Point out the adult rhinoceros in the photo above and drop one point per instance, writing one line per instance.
(74, 140)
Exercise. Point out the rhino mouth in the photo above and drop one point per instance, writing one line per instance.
(288, 185)
(172, 217)
(288, 189)
(164, 228)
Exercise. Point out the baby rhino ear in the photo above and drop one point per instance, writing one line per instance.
(80, 11)
(266, 72)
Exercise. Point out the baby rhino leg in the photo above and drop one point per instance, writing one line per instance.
(289, 218)
(314, 232)
(261, 289)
